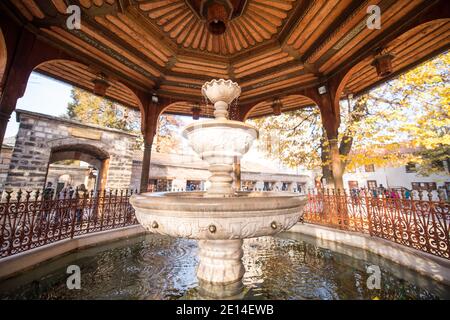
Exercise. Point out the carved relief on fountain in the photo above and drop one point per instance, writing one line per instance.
(238, 227)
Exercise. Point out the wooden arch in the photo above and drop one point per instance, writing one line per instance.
(288, 103)
(422, 41)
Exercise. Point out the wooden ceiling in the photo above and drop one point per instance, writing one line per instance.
(82, 76)
(271, 49)
(257, 25)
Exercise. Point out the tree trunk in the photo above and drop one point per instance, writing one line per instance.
(336, 164)
(327, 174)
(145, 173)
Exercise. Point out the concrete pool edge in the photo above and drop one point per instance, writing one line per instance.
(423, 263)
(12, 265)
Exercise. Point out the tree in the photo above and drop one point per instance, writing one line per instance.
(89, 108)
(404, 120)
(298, 137)
(408, 119)
(167, 140)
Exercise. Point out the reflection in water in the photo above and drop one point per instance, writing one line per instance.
(157, 267)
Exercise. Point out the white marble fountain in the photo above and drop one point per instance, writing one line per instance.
(221, 217)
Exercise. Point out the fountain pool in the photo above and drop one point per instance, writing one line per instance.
(286, 266)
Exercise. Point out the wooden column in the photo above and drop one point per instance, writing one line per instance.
(336, 163)
(24, 52)
(145, 173)
(17, 73)
(150, 113)
(328, 104)
(103, 175)
(4, 118)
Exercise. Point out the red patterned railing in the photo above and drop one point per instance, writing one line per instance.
(414, 221)
(33, 219)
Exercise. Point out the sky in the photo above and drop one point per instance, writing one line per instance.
(43, 95)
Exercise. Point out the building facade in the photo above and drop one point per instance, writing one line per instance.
(397, 177)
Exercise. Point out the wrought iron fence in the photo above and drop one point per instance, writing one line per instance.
(414, 220)
(33, 219)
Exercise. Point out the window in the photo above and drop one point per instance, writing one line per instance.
(439, 165)
(301, 187)
(269, 185)
(163, 185)
(371, 184)
(369, 168)
(411, 167)
(431, 186)
(152, 185)
(192, 185)
(424, 186)
(352, 184)
(248, 185)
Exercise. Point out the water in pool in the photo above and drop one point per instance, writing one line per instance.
(289, 266)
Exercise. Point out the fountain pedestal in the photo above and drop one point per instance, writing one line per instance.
(220, 261)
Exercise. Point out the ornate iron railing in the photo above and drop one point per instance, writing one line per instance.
(33, 219)
(414, 220)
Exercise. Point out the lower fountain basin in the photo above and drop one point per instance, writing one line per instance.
(196, 216)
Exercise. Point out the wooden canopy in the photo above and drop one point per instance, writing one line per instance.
(272, 48)
(155, 55)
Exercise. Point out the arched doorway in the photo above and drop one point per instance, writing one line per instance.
(74, 165)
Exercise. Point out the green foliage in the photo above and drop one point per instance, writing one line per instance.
(91, 109)
(167, 139)
(88, 108)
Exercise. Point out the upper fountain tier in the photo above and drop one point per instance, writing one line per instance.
(221, 93)
(220, 141)
(221, 90)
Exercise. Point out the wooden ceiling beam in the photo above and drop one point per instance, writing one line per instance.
(429, 10)
(403, 70)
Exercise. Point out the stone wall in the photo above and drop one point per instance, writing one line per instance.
(40, 137)
(5, 160)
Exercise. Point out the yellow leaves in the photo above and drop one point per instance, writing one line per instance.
(385, 126)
